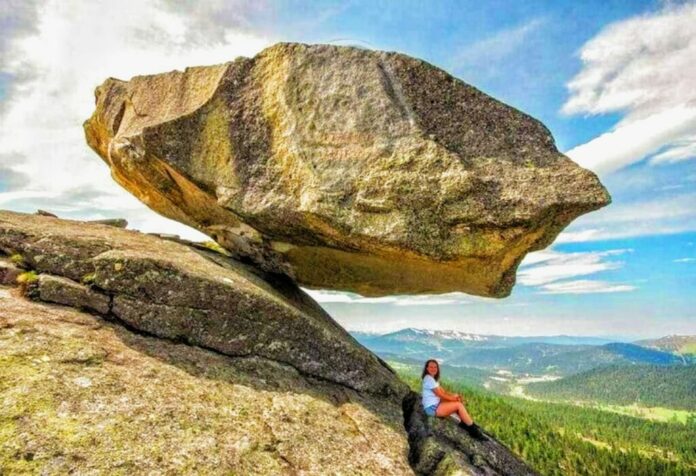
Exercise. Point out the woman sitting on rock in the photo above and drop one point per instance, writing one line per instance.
(438, 402)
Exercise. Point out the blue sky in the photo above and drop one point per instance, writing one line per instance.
(613, 81)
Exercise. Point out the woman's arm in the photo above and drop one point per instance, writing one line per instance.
(446, 396)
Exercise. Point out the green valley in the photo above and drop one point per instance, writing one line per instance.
(564, 439)
(671, 387)
(566, 405)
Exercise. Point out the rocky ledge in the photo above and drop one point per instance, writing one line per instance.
(167, 356)
(344, 168)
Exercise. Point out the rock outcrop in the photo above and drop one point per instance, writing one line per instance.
(192, 362)
(344, 168)
(80, 395)
(196, 295)
(439, 447)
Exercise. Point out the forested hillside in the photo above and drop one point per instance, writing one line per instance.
(649, 385)
(561, 439)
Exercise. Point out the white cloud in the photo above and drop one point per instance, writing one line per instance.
(10, 179)
(685, 260)
(555, 265)
(73, 47)
(680, 151)
(642, 67)
(324, 297)
(590, 234)
(211, 20)
(434, 300)
(86, 203)
(17, 19)
(677, 206)
(633, 140)
(659, 216)
(545, 267)
(537, 257)
(584, 287)
(498, 46)
(551, 271)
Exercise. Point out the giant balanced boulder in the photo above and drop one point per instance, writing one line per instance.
(344, 168)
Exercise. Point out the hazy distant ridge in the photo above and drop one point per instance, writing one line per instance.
(537, 355)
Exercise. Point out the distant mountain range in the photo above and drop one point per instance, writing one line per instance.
(435, 337)
(536, 355)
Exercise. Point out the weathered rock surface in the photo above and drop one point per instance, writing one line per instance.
(79, 395)
(280, 389)
(439, 447)
(66, 291)
(8, 272)
(202, 297)
(46, 213)
(344, 168)
(117, 222)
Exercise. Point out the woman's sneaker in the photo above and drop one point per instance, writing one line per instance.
(474, 431)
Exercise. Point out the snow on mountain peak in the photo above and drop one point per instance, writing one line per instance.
(447, 334)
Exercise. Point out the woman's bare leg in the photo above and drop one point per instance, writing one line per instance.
(447, 408)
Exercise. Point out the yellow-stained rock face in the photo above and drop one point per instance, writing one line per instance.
(344, 168)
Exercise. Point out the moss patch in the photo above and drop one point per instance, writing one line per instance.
(27, 277)
(17, 259)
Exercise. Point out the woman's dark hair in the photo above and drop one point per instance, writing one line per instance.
(425, 369)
